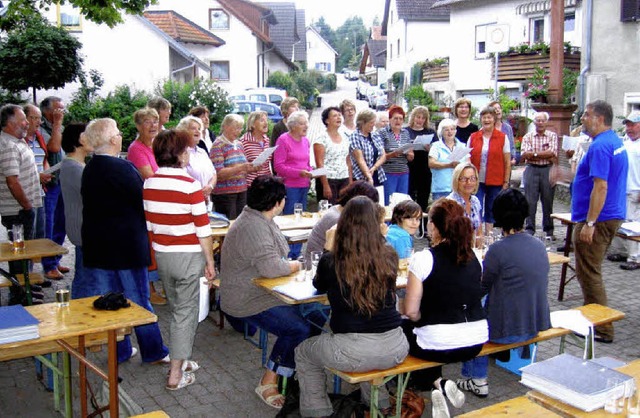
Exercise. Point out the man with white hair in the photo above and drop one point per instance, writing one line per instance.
(539, 150)
(626, 250)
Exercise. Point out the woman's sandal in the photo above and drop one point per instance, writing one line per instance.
(190, 366)
(186, 380)
(260, 390)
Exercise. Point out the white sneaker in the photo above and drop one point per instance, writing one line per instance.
(478, 387)
(439, 407)
(455, 396)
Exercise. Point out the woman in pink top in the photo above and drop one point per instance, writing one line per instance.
(255, 141)
(140, 152)
(291, 161)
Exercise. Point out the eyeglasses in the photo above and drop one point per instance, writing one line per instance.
(472, 179)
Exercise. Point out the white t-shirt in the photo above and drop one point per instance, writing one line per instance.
(633, 152)
(445, 336)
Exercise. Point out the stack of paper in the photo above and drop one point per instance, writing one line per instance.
(218, 220)
(630, 229)
(298, 290)
(16, 324)
(585, 385)
(297, 234)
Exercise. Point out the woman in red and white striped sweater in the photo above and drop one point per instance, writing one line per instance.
(180, 235)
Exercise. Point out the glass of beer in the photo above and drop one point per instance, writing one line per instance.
(63, 294)
(17, 233)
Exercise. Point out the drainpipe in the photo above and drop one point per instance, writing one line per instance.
(262, 54)
(586, 50)
(193, 64)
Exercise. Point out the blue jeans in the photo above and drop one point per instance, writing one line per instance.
(291, 327)
(54, 223)
(134, 285)
(295, 195)
(26, 218)
(486, 195)
(478, 367)
(396, 183)
(40, 223)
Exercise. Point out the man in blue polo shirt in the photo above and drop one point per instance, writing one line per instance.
(598, 204)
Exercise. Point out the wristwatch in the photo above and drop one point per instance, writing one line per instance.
(591, 224)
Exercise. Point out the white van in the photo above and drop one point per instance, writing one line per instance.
(266, 94)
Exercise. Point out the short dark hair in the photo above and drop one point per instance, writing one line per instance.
(602, 108)
(510, 209)
(358, 188)
(405, 210)
(71, 136)
(199, 111)
(7, 112)
(47, 102)
(265, 192)
(325, 113)
(168, 145)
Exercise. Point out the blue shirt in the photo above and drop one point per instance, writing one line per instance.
(441, 177)
(400, 240)
(606, 159)
(372, 148)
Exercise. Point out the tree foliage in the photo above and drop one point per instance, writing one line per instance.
(347, 40)
(39, 56)
(109, 12)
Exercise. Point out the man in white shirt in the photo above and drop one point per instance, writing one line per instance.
(622, 249)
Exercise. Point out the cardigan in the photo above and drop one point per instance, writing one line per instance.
(495, 174)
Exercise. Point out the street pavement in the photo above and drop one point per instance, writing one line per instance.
(231, 367)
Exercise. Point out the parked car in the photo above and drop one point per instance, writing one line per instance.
(351, 75)
(361, 89)
(244, 107)
(267, 94)
(381, 102)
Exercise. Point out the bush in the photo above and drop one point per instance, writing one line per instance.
(280, 80)
(417, 96)
(7, 97)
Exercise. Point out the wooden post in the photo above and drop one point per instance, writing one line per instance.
(557, 52)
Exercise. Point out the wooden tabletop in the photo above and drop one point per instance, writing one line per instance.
(284, 222)
(632, 369)
(79, 318)
(33, 249)
(516, 407)
(554, 258)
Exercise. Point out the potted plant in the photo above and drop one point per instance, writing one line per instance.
(538, 86)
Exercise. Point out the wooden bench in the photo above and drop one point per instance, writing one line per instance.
(34, 278)
(154, 414)
(596, 314)
(516, 407)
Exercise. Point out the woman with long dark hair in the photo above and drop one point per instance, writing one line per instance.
(446, 319)
(359, 277)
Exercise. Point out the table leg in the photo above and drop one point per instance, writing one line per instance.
(66, 375)
(82, 369)
(27, 285)
(114, 405)
(565, 266)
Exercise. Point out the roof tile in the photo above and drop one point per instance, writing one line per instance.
(181, 29)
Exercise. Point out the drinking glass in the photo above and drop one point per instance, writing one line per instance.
(323, 206)
(615, 398)
(297, 211)
(633, 406)
(17, 233)
(63, 294)
(302, 274)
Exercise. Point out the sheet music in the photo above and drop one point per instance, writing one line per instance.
(422, 140)
(319, 172)
(264, 156)
(459, 153)
(52, 169)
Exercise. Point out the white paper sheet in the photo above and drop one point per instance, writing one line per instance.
(459, 154)
(319, 172)
(570, 143)
(264, 156)
(421, 141)
(405, 148)
(204, 299)
(52, 169)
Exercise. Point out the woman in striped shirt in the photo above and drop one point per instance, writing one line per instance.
(255, 141)
(395, 166)
(180, 235)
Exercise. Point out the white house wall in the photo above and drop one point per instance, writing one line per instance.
(615, 58)
(319, 52)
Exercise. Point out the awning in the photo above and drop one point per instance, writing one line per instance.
(540, 6)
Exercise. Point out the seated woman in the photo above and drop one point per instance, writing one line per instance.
(464, 185)
(446, 320)
(255, 247)
(365, 325)
(317, 238)
(515, 276)
(404, 223)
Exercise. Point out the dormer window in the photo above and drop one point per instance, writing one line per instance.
(218, 19)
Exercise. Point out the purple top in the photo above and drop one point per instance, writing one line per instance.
(290, 158)
(140, 155)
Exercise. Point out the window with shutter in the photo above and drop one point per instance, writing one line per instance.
(629, 10)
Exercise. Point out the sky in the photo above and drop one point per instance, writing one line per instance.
(335, 12)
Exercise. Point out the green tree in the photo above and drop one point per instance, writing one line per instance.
(351, 36)
(109, 12)
(327, 33)
(39, 56)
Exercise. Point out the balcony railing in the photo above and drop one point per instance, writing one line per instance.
(520, 67)
(437, 73)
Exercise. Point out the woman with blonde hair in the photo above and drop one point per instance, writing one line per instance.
(464, 186)
(464, 126)
(199, 166)
(367, 150)
(254, 141)
(419, 171)
(359, 276)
